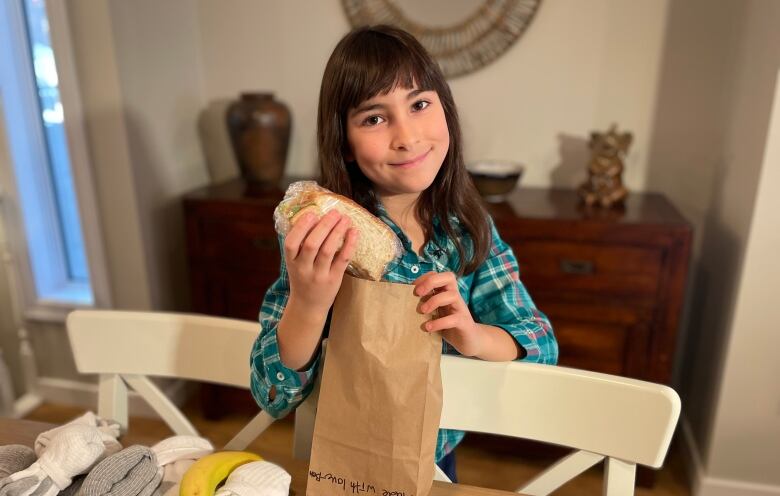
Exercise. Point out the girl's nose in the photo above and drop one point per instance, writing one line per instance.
(405, 136)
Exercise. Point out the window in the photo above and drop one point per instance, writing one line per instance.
(41, 175)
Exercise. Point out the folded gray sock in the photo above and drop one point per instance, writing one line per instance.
(44, 488)
(131, 472)
(15, 458)
(16, 488)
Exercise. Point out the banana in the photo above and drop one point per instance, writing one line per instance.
(203, 476)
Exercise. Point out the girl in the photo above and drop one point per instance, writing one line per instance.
(389, 138)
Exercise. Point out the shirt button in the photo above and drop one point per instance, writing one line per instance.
(280, 376)
(415, 269)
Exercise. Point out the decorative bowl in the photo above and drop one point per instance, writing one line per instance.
(494, 180)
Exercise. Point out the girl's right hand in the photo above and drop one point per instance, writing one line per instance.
(315, 263)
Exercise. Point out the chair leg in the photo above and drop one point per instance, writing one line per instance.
(161, 404)
(112, 399)
(618, 477)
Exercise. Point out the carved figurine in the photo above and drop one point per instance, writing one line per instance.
(604, 186)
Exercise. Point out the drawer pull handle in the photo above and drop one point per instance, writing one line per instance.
(264, 243)
(579, 267)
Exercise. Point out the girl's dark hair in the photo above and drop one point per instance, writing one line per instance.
(374, 60)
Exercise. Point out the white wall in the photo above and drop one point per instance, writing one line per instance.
(694, 97)
(580, 66)
(708, 155)
(97, 65)
(688, 163)
(744, 440)
(746, 432)
(158, 59)
(9, 342)
(141, 79)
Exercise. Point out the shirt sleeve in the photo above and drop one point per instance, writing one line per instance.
(267, 369)
(499, 298)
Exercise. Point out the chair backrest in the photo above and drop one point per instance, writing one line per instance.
(127, 348)
(603, 417)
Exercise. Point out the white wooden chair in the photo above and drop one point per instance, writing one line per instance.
(602, 417)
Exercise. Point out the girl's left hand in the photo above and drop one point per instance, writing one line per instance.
(454, 318)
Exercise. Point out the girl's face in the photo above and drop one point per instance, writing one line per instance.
(399, 140)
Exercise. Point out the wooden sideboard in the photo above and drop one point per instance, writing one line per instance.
(612, 282)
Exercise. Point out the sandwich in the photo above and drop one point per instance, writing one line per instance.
(377, 244)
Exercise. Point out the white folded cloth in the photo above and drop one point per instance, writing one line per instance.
(74, 449)
(256, 479)
(174, 456)
(181, 448)
(109, 432)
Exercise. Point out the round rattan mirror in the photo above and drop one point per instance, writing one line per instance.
(462, 35)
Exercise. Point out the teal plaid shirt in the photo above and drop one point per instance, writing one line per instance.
(493, 293)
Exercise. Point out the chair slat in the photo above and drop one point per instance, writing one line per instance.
(161, 404)
(560, 473)
(249, 433)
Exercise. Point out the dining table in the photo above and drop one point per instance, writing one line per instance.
(21, 431)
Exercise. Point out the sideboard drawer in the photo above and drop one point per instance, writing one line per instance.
(593, 267)
(238, 243)
(231, 293)
(598, 347)
(609, 338)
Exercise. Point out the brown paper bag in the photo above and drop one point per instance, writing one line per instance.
(380, 398)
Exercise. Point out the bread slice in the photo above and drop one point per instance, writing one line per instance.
(377, 244)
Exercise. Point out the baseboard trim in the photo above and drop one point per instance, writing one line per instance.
(692, 456)
(76, 393)
(711, 486)
(703, 485)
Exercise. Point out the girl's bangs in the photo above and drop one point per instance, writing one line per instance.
(380, 68)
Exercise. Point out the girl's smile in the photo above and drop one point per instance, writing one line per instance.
(407, 164)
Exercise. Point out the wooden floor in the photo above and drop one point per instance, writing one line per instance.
(477, 465)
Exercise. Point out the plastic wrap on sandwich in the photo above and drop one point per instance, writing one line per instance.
(378, 247)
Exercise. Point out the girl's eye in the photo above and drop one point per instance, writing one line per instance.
(420, 104)
(372, 120)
